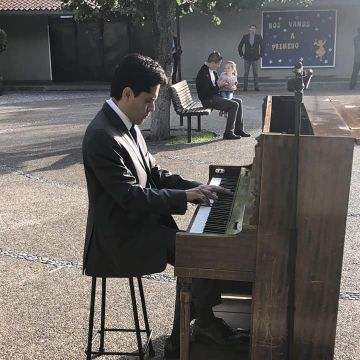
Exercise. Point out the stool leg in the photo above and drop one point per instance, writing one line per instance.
(136, 319)
(91, 318)
(199, 122)
(146, 321)
(181, 120)
(102, 318)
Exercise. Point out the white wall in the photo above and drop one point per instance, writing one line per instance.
(199, 37)
(27, 55)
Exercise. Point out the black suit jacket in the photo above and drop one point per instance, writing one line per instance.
(252, 52)
(131, 200)
(204, 86)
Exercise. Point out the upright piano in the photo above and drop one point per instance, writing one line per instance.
(245, 237)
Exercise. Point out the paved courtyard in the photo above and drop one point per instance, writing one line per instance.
(44, 297)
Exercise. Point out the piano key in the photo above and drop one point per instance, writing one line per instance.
(219, 214)
(203, 212)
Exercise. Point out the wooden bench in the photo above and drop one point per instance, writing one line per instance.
(184, 105)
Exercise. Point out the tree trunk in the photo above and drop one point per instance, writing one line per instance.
(164, 13)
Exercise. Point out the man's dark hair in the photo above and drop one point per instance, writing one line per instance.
(253, 25)
(214, 57)
(138, 72)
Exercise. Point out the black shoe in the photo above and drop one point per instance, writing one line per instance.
(242, 133)
(244, 89)
(171, 349)
(231, 136)
(219, 333)
(257, 89)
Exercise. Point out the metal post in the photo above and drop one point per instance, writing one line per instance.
(178, 45)
(298, 97)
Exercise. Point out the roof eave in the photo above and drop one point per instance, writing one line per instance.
(36, 12)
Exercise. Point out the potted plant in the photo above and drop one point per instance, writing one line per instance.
(3, 43)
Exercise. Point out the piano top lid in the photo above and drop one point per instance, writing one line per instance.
(328, 115)
(321, 115)
(349, 108)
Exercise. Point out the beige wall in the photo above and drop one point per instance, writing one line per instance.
(27, 55)
(199, 37)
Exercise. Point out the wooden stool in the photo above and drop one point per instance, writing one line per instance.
(142, 349)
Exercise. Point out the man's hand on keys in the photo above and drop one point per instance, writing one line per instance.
(204, 193)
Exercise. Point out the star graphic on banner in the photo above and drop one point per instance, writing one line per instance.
(280, 18)
(270, 61)
(330, 50)
(330, 18)
(274, 36)
(265, 54)
(280, 61)
(285, 30)
(325, 61)
(316, 29)
(268, 15)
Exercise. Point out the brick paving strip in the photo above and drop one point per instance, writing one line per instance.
(60, 263)
(15, 171)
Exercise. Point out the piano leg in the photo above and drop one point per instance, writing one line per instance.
(185, 303)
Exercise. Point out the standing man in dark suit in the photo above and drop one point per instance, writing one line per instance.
(130, 230)
(208, 92)
(356, 67)
(254, 50)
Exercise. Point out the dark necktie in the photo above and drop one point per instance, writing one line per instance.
(133, 134)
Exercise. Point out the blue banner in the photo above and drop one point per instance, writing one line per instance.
(291, 35)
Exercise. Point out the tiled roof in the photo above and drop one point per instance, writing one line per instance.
(29, 5)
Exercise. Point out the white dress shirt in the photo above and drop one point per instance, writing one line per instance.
(122, 116)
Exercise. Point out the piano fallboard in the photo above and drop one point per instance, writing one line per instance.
(231, 257)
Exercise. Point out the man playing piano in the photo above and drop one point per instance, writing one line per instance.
(130, 230)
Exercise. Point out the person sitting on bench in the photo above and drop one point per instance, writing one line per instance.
(208, 92)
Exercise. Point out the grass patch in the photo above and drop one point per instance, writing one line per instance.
(179, 136)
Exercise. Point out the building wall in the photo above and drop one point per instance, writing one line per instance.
(27, 55)
(199, 37)
(28, 58)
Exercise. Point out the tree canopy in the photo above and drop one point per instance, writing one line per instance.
(3, 40)
(141, 10)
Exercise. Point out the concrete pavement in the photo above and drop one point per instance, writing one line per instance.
(44, 298)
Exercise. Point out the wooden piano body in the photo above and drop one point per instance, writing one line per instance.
(259, 253)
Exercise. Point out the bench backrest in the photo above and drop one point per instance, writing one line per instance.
(181, 96)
